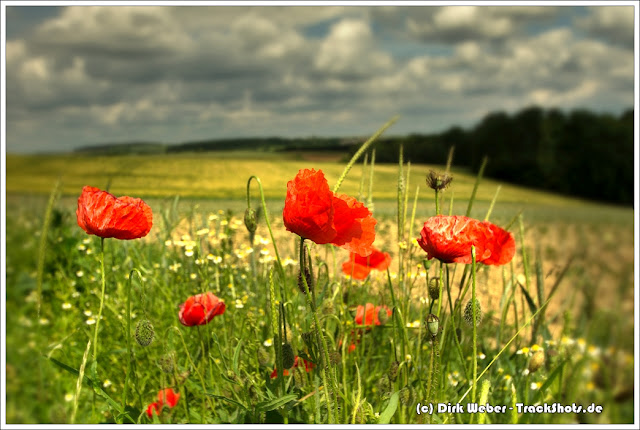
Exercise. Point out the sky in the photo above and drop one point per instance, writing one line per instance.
(85, 75)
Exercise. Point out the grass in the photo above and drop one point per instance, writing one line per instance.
(549, 332)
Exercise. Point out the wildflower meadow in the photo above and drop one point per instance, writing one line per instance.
(323, 305)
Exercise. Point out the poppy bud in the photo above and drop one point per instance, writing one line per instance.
(536, 361)
(307, 277)
(383, 315)
(335, 357)
(468, 312)
(144, 332)
(166, 362)
(433, 324)
(406, 394)
(299, 377)
(263, 356)
(328, 308)
(393, 370)
(250, 220)
(434, 288)
(384, 385)
(288, 357)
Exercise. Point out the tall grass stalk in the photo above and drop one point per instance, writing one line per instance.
(361, 151)
(44, 234)
(76, 398)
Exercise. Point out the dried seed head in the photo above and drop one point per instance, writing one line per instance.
(468, 312)
(250, 220)
(144, 332)
(433, 325)
(438, 181)
(288, 357)
(434, 288)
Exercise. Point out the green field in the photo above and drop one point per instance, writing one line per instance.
(199, 243)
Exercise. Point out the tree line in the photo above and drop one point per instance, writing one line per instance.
(579, 153)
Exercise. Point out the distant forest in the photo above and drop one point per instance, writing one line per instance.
(580, 153)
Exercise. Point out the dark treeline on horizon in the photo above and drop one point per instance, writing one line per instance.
(578, 153)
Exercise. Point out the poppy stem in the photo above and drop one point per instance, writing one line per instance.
(474, 359)
(322, 344)
(104, 283)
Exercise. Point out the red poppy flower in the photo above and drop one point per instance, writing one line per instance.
(154, 407)
(200, 309)
(314, 212)
(165, 397)
(168, 397)
(307, 366)
(501, 244)
(359, 267)
(449, 239)
(102, 214)
(369, 314)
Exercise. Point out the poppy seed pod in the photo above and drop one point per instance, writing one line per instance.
(288, 357)
(468, 312)
(383, 315)
(167, 362)
(433, 325)
(144, 332)
(250, 220)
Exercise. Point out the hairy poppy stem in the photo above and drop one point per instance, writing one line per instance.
(104, 283)
(474, 359)
(320, 339)
(128, 335)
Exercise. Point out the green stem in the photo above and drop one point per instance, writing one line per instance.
(128, 335)
(104, 283)
(319, 338)
(474, 359)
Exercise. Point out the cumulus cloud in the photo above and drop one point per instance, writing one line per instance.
(92, 74)
(612, 24)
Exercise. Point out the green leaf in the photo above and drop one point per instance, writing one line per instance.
(552, 376)
(387, 414)
(227, 399)
(236, 356)
(92, 383)
(532, 305)
(270, 405)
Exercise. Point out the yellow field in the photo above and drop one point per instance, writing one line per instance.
(214, 175)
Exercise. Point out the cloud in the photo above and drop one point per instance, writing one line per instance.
(92, 74)
(612, 24)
